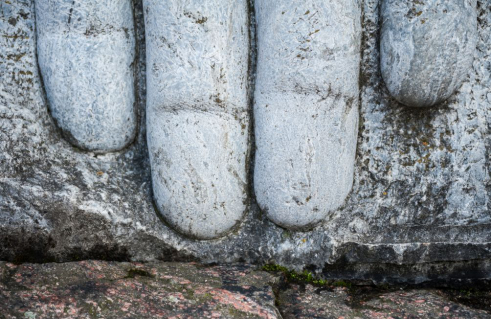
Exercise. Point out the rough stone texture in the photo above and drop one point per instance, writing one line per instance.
(122, 290)
(313, 302)
(93, 289)
(427, 48)
(419, 210)
(86, 54)
(306, 107)
(197, 112)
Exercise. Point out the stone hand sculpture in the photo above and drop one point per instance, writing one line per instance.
(306, 94)
(214, 73)
(197, 105)
(85, 53)
(306, 107)
(197, 112)
(427, 48)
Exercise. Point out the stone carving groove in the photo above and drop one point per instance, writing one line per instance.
(197, 112)
(86, 52)
(427, 48)
(306, 107)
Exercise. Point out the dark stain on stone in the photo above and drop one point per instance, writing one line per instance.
(99, 252)
(70, 13)
(88, 288)
(13, 21)
(133, 272)
(173, 255)
(24, 15)
(20, 247)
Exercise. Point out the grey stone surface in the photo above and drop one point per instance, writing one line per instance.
(299, 302)
(419, 210)
(122, 290)
(112, 290)
(86, 53)
(427, 48)
(306, 107)
(197, 112)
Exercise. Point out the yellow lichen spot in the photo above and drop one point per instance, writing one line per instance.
(304, 240)
(384, 193)
(100, 173)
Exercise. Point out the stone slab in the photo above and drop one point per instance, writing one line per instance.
(95, 289)
(340, 302)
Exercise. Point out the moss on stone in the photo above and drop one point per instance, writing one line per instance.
(295, 277)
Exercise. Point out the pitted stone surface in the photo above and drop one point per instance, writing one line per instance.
(86, 54)
(306, 107)
(427, 48)
(418, 212)
(299, 302)
(109, 290)
(197, 112)
(112, 290)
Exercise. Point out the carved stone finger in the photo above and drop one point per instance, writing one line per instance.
(85, 53)
(197, 114)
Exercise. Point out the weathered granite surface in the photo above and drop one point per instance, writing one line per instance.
(299, 302)
(86, 54)
(419, 209)
(427, 48)
(93, 289)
